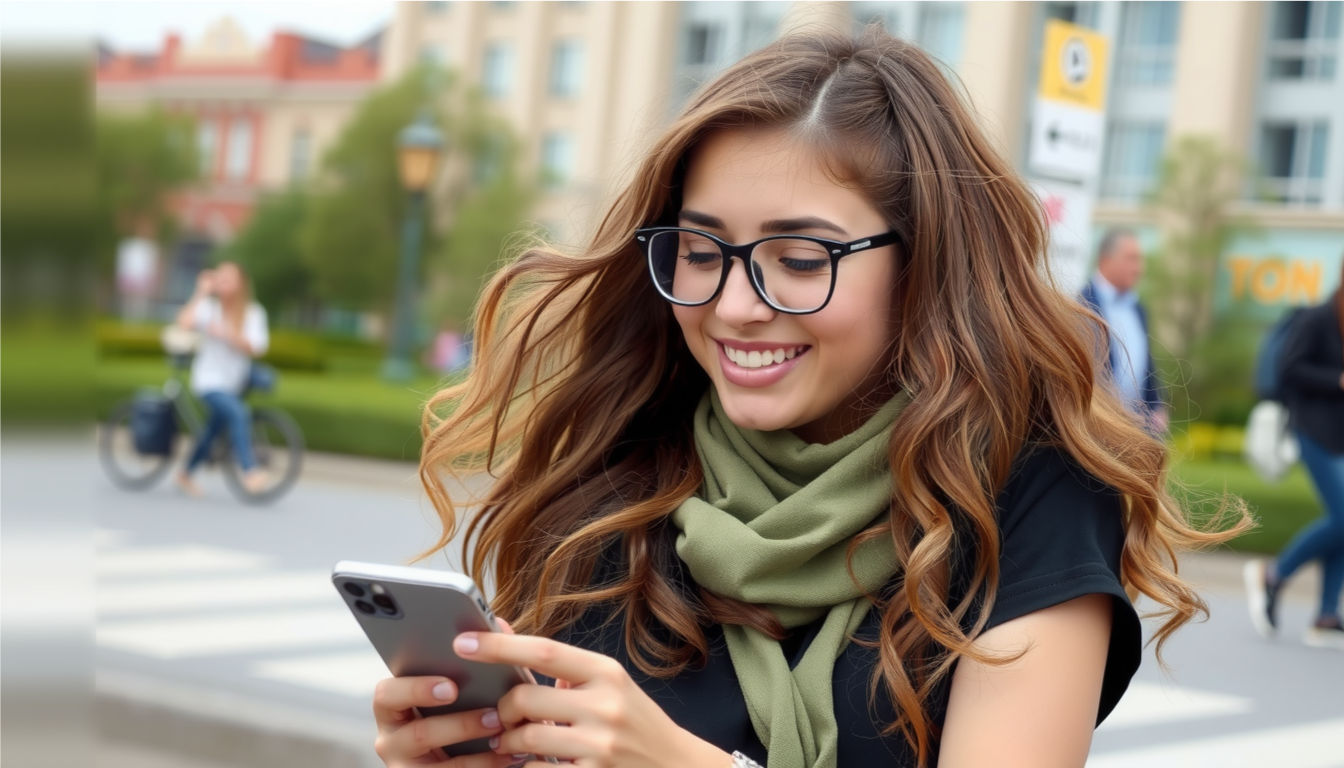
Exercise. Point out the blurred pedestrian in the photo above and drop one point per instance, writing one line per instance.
(1312, 380)
(794, 458)
(445, 354)
(1112, 294)
(232, 331)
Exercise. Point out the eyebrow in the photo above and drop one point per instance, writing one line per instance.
(772, 227)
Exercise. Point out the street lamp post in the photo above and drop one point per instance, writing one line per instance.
(419, 146)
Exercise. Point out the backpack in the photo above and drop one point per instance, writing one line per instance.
(153, 424)
(1268, 383)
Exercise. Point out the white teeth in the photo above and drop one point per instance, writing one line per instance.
(757, 359)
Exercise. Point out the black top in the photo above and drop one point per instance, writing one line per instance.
(1310, 366)
(1062, 535)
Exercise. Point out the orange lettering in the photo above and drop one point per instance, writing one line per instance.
(1268, 281)
(1304, 282)
(1240, 266)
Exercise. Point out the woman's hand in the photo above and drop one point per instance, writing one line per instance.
(606, 719)
(205, 282)
(404, 739)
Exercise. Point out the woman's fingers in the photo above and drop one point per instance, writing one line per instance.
(395, 696)
(539, 654)
(541, 739)
(538, 703)
(421, 736)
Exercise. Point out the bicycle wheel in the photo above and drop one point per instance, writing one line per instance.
(277, 447)
(125, 466)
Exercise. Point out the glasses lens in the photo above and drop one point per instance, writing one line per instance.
(686, 266)
(793, 274)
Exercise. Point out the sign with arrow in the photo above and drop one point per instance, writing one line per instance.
(1068, 122)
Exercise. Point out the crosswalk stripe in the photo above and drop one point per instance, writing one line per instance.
(174, 560)
(1311, 745)
(259, 590)
(175, 638)
(1151, 703)
(348, 674)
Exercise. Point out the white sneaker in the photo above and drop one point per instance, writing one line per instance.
(1325, 637)
(1259, 599)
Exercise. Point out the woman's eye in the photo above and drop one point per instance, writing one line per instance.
(805, 265)
(702, 256)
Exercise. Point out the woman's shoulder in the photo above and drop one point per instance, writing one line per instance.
(1047, 481)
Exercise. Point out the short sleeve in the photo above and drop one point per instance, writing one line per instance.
(1063, 532)
(255, 331)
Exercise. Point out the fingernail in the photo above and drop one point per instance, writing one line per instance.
(494, 742)
(466, 644)
(444, 691)
(490, 719)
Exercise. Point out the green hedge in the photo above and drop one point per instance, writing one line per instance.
(356, 414)
(289, 350)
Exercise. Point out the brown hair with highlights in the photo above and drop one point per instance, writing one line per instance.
(579, 400)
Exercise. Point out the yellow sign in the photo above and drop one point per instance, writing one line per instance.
(1276, 280)
(1073, 66)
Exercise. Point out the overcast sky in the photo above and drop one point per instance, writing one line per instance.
(141, 25)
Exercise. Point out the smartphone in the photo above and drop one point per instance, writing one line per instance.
(411, 616)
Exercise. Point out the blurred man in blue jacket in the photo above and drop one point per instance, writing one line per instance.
(1111, 294)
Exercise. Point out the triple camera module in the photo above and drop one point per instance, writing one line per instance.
(372, 599)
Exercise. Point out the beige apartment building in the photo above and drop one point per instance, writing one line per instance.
(586, 84)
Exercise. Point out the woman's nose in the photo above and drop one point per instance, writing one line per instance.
(738, 304)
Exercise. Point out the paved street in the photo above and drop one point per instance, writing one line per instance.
(212, 596)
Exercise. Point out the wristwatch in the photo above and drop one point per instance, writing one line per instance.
(742, 761)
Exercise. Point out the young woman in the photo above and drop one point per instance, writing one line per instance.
(233, 332)
(1313, 377)
(802, 461)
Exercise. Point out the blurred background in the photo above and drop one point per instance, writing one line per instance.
(370, 164)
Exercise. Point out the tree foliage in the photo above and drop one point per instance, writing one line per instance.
(140, 160)
(1199, 182)
(270, 249)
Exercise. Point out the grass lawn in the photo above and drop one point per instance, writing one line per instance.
(357, 413)
(1282, 508)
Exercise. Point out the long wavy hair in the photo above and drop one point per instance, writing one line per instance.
(579, 401)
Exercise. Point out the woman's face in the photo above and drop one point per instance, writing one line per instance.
(228, 281)
(742, 185)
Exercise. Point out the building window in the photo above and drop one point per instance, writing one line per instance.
(238, 156)
(702, 43)
(497, 78)
(1147, 50)
(1303, 40)
(207, 146)
(557, 159)
(300, 155)
(567, 68)
(1133, 159)
(434, 55)
(1084, 14)
(941, 29)
(1292, 159)
(436, 7)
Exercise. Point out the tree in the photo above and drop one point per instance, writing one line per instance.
(141, 160)
(351, 236)
(1199, 182)
(270, 249)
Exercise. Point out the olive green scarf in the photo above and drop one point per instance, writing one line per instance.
(771, 527)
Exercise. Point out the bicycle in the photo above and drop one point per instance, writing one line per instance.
(277, 442)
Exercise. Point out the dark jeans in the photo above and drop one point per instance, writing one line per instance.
(226, 412)
(1324, 539)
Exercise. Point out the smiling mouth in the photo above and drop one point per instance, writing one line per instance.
(762, 358)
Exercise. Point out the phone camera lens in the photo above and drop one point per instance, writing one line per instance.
(385, 602)
(364, 607)
(354, 589)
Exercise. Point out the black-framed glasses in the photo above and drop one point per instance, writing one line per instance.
(794, 274)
